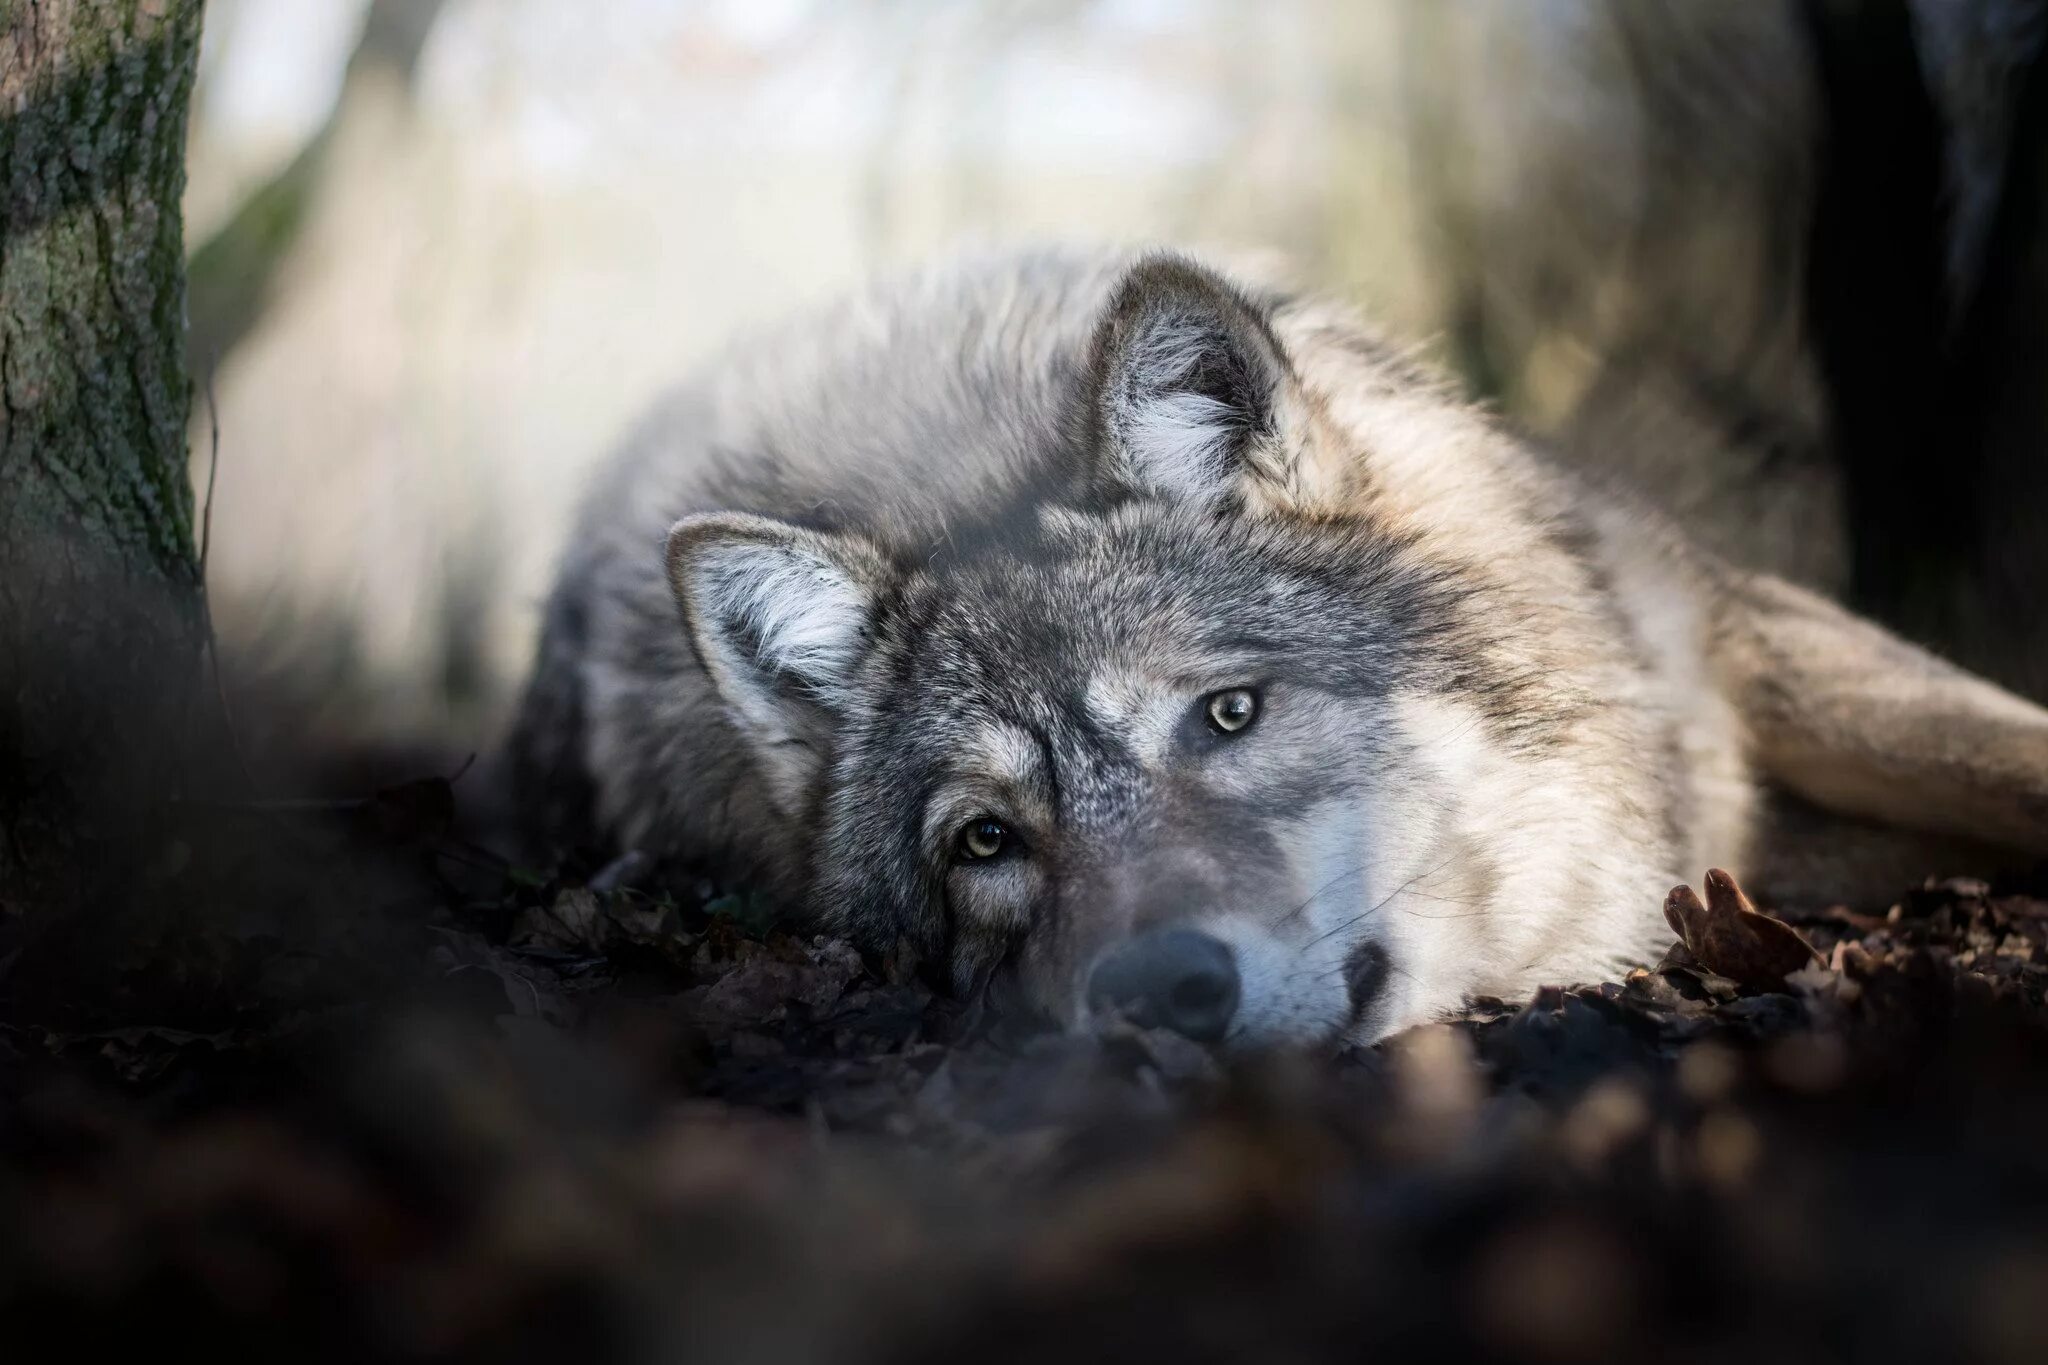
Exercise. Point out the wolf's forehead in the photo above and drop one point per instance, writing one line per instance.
(1073, 612)
(1114, 713)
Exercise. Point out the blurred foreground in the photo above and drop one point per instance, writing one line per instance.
(425, 1108)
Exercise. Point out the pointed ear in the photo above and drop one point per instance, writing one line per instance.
(1193, 395)
(781, 618)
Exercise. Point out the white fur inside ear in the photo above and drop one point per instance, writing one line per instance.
(1177, 440)
(780, 608)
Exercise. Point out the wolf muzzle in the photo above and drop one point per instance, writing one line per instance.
(1170, 978)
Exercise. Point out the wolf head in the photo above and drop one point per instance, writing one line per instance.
(1152, 745)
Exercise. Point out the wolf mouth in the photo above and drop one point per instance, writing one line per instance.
(1365, 979)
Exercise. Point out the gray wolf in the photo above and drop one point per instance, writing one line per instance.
(1121, 635)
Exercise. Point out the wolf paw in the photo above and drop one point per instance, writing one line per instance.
(1730, 936)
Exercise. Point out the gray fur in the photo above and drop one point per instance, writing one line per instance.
(979, 542)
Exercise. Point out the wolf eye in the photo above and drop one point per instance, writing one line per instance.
(1232, 709)
(982, 838)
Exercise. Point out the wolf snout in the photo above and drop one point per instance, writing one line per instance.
(1171, 978)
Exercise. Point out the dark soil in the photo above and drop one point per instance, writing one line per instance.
(347, 1089)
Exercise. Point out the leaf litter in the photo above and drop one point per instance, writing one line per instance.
(350, 1099)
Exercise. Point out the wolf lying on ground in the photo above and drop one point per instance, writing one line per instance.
(1123, 637)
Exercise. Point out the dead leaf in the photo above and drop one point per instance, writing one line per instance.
(759, 988)
(1729, 936)
(580, 920)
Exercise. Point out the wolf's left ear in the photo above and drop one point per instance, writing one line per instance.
(781, 617)
(1193, 395)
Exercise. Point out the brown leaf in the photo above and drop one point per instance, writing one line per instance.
(1729, 936)
(580, 920)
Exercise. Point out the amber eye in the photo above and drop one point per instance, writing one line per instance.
(982, 838)
(1232, 709)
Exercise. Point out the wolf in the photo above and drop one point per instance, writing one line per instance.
(1126, 636)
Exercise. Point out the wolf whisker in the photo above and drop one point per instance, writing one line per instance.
(1381, 904)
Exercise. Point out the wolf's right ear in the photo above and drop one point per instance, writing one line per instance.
(781, 618)
(1193, 396)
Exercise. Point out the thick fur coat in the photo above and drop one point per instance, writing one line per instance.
(1033, 607)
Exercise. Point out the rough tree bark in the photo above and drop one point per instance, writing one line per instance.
(100, 606)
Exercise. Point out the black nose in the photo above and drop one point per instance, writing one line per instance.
(1171, 978)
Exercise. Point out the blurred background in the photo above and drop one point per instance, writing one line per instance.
(443, 250)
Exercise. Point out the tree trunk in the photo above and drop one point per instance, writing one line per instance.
(100, 594)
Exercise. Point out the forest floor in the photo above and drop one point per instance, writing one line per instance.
(350, 1090)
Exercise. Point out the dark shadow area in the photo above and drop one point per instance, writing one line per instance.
(363, 1091)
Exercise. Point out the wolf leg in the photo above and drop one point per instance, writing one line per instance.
(1855, 720)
